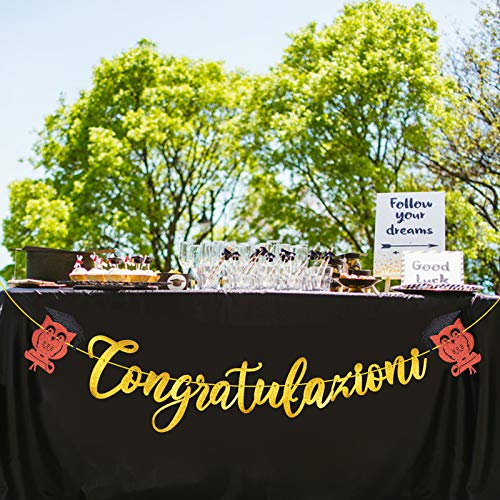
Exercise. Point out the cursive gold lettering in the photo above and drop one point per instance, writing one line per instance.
(293, 395)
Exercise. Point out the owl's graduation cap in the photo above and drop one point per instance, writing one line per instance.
(436, 325)
(69, 322)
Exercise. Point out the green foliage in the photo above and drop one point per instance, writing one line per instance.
(469, 232)
(38, 216)
(8, 272)
(470, 154)
(466, 156)
(42, 213)
(354, 108)
(340, 118)
(154, 142)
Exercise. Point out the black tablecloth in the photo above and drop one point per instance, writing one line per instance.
(437, 438)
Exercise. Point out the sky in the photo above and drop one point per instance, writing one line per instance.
(48, 48)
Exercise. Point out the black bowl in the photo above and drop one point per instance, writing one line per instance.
(360, 272)
(364, 282)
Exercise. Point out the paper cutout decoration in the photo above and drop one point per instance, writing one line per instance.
(51, 341)
(436, 325)
(69, 322)
(455, 344)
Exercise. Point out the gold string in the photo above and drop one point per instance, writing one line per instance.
(249, 386)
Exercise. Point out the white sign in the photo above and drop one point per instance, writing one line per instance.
(406, 222)
(433, 267)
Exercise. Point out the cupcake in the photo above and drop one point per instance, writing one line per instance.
(126, 275)
(96, 274)
(139, 276)
(78, 274)
(152, 276)
(127, 272)
(115, 274)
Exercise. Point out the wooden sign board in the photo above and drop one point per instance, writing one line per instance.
(433, 267)
(406, 222)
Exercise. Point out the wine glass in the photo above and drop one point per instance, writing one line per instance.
(183, 255)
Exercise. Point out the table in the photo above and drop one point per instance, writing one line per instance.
(434, 438)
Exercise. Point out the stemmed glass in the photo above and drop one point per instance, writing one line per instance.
(209, 264)
(188, 255)
(272, 265)
(183, 257)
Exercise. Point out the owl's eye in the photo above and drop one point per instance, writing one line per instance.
(61, 336)
(455, 332)
(444, 339)
(50, 329)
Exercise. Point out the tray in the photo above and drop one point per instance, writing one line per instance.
(32, 283)
(113, 285)
(411, 289)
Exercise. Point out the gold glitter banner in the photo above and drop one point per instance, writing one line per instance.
(292, 396)
(177, 393)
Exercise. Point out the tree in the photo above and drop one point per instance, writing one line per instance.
(470, 149)
(38, 216)
(467, 157)
(342, 115)
(156, 142)
(469, 232)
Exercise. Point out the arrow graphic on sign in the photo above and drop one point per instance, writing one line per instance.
(388, 245)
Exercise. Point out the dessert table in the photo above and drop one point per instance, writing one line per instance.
(437, 437)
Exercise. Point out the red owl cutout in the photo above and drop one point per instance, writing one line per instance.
(49, 343)
(455, 346)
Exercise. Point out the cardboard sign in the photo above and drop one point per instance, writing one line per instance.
(433, 267)
(406, 222)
